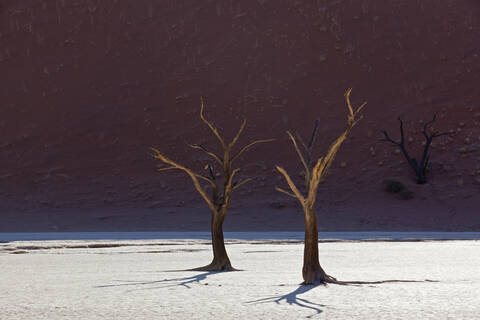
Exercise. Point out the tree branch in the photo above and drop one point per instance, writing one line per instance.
(230, 180)
(158, 155)
(323, 164)
(300, 139)
(388, 139)
(429, 139)
(402, 136)
(302, 159)
(209, 180)
(210, 171)
(439, 134)
(227, 192)
(291, 184)
(434, 134)
(210, 125)
(240, 130)
(425, 127)
(165, 169)
(196, 174)
(211, 154)
(236, 186)
(353, 113)
(286, 192)
(248, 146)
(314, 135)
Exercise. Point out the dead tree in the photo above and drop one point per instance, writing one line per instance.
(312, 271)
(420, 168)
(221, 185)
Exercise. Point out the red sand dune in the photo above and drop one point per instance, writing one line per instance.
(88, 86)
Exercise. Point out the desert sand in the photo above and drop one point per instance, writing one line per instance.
(88, 87)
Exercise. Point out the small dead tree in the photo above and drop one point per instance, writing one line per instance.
(222, 187)
(420, 168)
(312, 271)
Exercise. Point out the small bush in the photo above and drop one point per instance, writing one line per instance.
(393, 186)
(278, 204)
(406, 195)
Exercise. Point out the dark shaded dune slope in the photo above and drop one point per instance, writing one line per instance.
(88, 86)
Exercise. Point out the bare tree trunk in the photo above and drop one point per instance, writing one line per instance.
(220, 261)
(220, 257)
(421, 177)
(312, 271)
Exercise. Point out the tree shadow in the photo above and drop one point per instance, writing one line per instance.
(360, 283)
(326, 279)
(292, 299)
(145, 285)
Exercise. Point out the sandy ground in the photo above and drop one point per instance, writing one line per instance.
(88, 88)
(132, 280)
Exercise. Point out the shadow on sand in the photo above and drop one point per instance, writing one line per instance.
(293, 299)
(165, 283)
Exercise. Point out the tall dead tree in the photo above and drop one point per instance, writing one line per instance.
(222, 186)
(312, 271)
(420, 168)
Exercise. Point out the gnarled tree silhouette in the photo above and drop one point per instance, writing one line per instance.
(312, 271)
(222, 187)
(419, 167)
